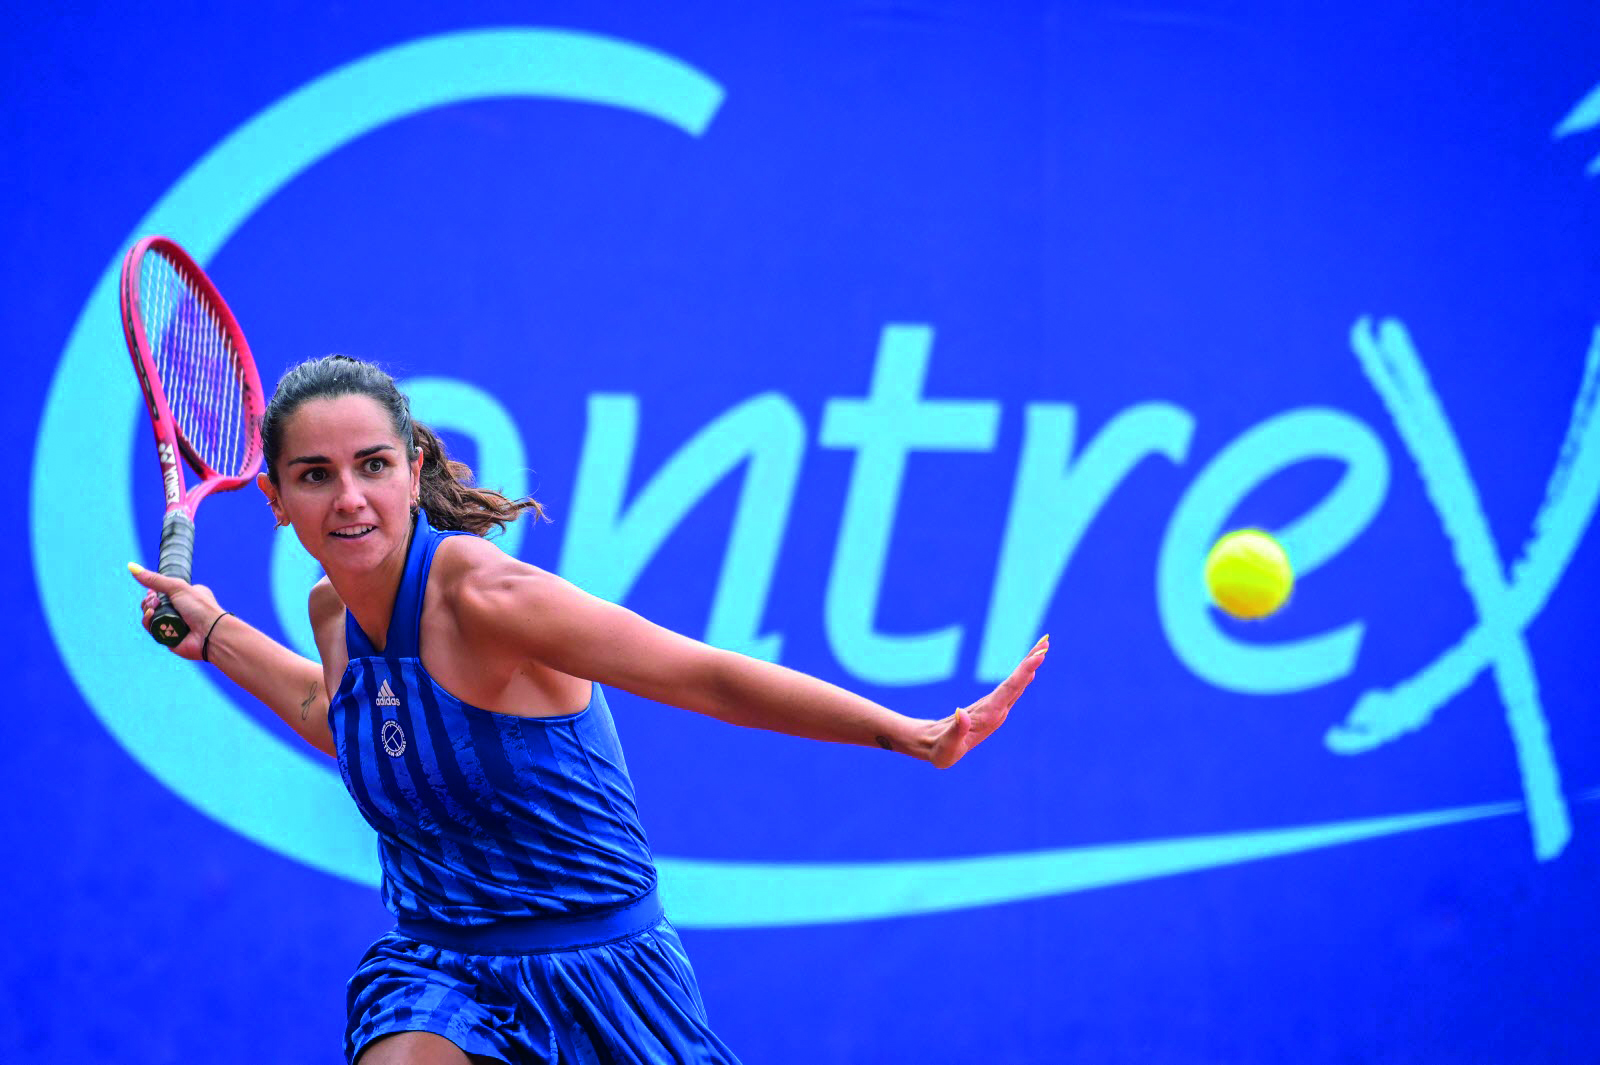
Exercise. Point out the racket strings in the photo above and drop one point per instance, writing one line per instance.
(199, 365)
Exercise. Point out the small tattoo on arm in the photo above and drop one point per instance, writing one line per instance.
(883, 741)
(311, 697)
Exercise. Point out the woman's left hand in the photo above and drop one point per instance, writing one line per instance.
(969, 726)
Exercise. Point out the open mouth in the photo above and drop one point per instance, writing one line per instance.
(355, 532)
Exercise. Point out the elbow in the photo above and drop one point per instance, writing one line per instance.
(723, 689)
(321, 740)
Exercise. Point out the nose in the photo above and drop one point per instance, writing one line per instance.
(350, 498)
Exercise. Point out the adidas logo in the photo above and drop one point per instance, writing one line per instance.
(386, 695)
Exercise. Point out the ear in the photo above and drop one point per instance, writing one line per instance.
(416, 476)
(270, 490)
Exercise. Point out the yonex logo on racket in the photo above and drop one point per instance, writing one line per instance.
(386, 695)
(169, 473)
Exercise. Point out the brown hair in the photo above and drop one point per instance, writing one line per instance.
(452, 500)
(448, 494)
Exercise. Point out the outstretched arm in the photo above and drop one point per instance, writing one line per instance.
(750, 692)
(538, 615)
(290, 684)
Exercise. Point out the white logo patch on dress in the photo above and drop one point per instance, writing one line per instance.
(394, 739)
(386, 695)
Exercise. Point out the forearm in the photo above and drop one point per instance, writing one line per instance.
(289, 683)
(755, 694)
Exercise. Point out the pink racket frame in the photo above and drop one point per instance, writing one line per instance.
(170, 439)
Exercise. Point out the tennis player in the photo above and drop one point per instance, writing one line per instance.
(460, 691)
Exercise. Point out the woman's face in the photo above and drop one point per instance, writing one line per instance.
(345, 483)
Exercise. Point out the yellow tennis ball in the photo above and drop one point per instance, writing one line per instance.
(1248, 574)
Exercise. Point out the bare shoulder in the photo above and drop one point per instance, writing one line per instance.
(485, 587)
(325, 604)
(464, 563)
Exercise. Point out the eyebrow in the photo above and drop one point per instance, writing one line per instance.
(363, 453)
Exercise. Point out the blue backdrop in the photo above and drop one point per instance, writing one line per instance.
(875, 338)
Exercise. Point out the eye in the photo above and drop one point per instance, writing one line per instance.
(376, 464)
(315, 475)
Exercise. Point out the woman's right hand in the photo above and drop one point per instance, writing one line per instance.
(193, 602)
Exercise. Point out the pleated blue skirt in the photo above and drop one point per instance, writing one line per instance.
(633, 999)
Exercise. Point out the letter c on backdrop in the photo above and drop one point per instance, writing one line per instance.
(160, 712)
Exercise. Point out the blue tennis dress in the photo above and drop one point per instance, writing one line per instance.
(528, 924)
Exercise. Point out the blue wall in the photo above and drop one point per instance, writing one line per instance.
(875, 338)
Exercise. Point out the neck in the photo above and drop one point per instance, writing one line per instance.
(369, 595)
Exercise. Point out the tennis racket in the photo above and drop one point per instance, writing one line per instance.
(204, 396)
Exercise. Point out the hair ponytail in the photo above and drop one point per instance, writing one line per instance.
(450, 498)
(452, 501)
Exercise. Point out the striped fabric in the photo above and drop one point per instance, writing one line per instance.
(632, 1002)
(481, 815)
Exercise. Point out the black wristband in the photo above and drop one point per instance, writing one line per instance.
(205, 646)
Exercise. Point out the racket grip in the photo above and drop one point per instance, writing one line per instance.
(177, 560)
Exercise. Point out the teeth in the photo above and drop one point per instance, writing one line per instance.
(349, 533)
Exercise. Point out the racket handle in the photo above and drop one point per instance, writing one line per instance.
(177, 560)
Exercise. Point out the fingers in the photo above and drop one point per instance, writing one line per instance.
(1035, 655)
(156, 581)
(972, 725)
(1013, 685)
